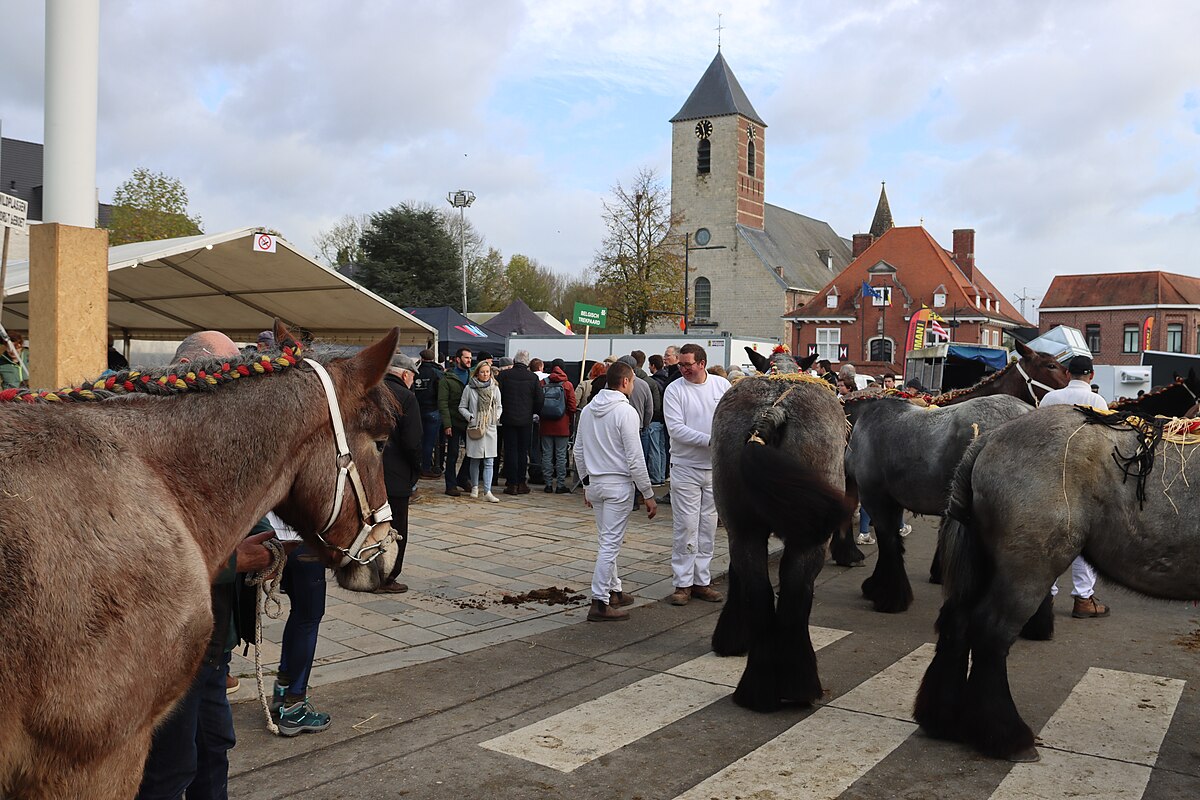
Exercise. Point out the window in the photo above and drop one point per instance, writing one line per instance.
(1175, 338)
(883, 296)
(828, 340)
(703, 298)
(1092, 334)
(831, 300)
(882, 350)
(939, 300)
(750, 159)
(1131, 339)
(703, 157)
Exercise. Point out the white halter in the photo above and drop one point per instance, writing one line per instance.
(1030, 383)
(344, 460)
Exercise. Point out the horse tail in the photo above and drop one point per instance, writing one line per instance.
(788, 496)
(966, 568)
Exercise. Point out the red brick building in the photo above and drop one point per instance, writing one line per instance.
(1123, 313)
(910, 269)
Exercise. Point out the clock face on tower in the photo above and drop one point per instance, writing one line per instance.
(750, 133)
(703, 129)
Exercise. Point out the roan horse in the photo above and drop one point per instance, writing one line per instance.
(1026, 500)
(1027, 379)
(118, 512)
(777, 443)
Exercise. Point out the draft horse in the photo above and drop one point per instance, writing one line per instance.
(122, 499)
(1176, 399)
(1026, 500)
(777, 443)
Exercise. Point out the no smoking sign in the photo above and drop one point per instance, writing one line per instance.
(264, 243)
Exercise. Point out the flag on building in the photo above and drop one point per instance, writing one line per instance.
(567, 325)
(867, 291)
(936, 329)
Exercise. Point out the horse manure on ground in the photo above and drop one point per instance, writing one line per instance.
(553, 596)
(1189, 641)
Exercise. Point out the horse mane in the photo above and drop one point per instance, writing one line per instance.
(1158, 393)
(176, 379)
(957, 393)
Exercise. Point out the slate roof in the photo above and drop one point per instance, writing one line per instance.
(793, 241)
(922, 267)
(717, 94)
(882, 223)
(1148, 288)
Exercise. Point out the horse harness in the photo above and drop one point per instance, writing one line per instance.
(1030, 382)
(376, 531)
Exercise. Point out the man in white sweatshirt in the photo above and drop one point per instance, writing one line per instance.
(608, 456)
(688, 407)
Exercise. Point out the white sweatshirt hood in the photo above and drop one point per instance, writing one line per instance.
(606, 401)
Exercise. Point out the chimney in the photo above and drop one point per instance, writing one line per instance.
(860, 243)
(964, 251)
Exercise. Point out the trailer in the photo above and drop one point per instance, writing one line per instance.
(727, 350)
(943, 367)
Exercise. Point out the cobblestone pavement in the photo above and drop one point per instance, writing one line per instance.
(463, 557)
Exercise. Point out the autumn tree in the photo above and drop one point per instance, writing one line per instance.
(639, 263)
(150, 206)
(487, 284)
(409, 258)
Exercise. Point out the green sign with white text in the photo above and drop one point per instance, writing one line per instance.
(592, 316)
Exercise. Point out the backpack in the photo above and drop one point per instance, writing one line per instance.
(554, 402)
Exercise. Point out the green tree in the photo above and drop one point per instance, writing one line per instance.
(149, 206)
(639, 264)
(487, 284)
(530, 281)
(409, 259)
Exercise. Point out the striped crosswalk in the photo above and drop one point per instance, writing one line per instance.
(1102, 742)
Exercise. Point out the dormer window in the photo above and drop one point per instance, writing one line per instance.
(831, 300)
(988, 304)
(977, 303)
(939, 300)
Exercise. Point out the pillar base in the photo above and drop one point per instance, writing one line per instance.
(68, 304)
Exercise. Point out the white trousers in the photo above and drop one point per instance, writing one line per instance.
(1083, 577)
(612, 502)
(694, 525)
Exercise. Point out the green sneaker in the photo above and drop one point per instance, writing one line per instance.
(301, 718)
(277, 694)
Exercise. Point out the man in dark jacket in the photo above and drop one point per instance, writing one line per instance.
(521, 398)
(454, 424)
(425, 387)
(654, 440)
(401, 456)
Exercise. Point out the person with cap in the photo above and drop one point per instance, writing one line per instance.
(401, 457)
(521, 398)
(266, 340)
(1079, 393)
(425, 387)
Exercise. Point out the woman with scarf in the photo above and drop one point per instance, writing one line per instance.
(481, 407)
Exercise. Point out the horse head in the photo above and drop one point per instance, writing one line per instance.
(338, 494)
(781, 361)
(1041, 371)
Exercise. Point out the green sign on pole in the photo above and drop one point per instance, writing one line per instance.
(592, 316)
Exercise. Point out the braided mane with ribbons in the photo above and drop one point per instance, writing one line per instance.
(164, 382)
(1150, 433)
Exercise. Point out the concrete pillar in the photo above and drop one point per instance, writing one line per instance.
(68, 304)
(72, 84)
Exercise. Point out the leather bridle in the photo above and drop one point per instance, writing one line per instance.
(1030, 383)
(376, 531)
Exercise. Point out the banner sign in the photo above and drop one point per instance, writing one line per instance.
(1147, 333)
(925, 329)
(13, 212)
(592, 316)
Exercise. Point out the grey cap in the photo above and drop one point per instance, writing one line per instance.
(628, 360)
(401, 361)
(505, 361)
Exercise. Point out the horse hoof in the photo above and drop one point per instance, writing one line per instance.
(1027, 756)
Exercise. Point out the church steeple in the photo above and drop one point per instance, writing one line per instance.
(717, 94)
(883, 215)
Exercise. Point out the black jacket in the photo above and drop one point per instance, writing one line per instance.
(402, 453)
(520, 395)
(425, 386)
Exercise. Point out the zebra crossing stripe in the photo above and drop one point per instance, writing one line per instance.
(821, 756)
(1102, 742)
(568, 740)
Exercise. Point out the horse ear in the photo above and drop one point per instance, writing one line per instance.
(372, 363)
(283, 336)
(806, 362)
(760, 362)
(1023, 348)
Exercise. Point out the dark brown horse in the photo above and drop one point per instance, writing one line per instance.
(120, 508)
(1175, 399)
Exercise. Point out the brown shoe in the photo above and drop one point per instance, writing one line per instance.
(454, 491)
(522, 488)
(707, 594)
(510, 489)
(620, 599)
(393, 587)
(681, 596)
(231, 684)
(1089, 608)
(604, 612)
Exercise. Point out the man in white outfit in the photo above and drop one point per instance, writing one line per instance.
(1079, 393)
(688, 408)
(608, 456)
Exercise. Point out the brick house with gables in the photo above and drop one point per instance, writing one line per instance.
(1123, 313)
(909, 269)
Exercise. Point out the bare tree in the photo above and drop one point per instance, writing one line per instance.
(340, 246)
(639, 262)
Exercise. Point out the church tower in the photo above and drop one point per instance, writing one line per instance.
(717, 157)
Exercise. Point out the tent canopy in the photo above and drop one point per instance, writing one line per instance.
(518, 318)
(455, 331)
(168, 289)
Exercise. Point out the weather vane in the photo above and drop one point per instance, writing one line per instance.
(719, 29)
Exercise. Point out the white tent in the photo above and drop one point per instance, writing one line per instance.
(168, 289)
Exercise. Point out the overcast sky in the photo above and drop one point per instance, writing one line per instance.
(1066, 133)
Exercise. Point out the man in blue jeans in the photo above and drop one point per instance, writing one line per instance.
(425, 387)
(454, 424)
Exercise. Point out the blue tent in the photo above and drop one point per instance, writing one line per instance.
(990, 356)
(455, 331)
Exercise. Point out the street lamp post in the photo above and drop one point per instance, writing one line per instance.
(460, 200)
(687, 248)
